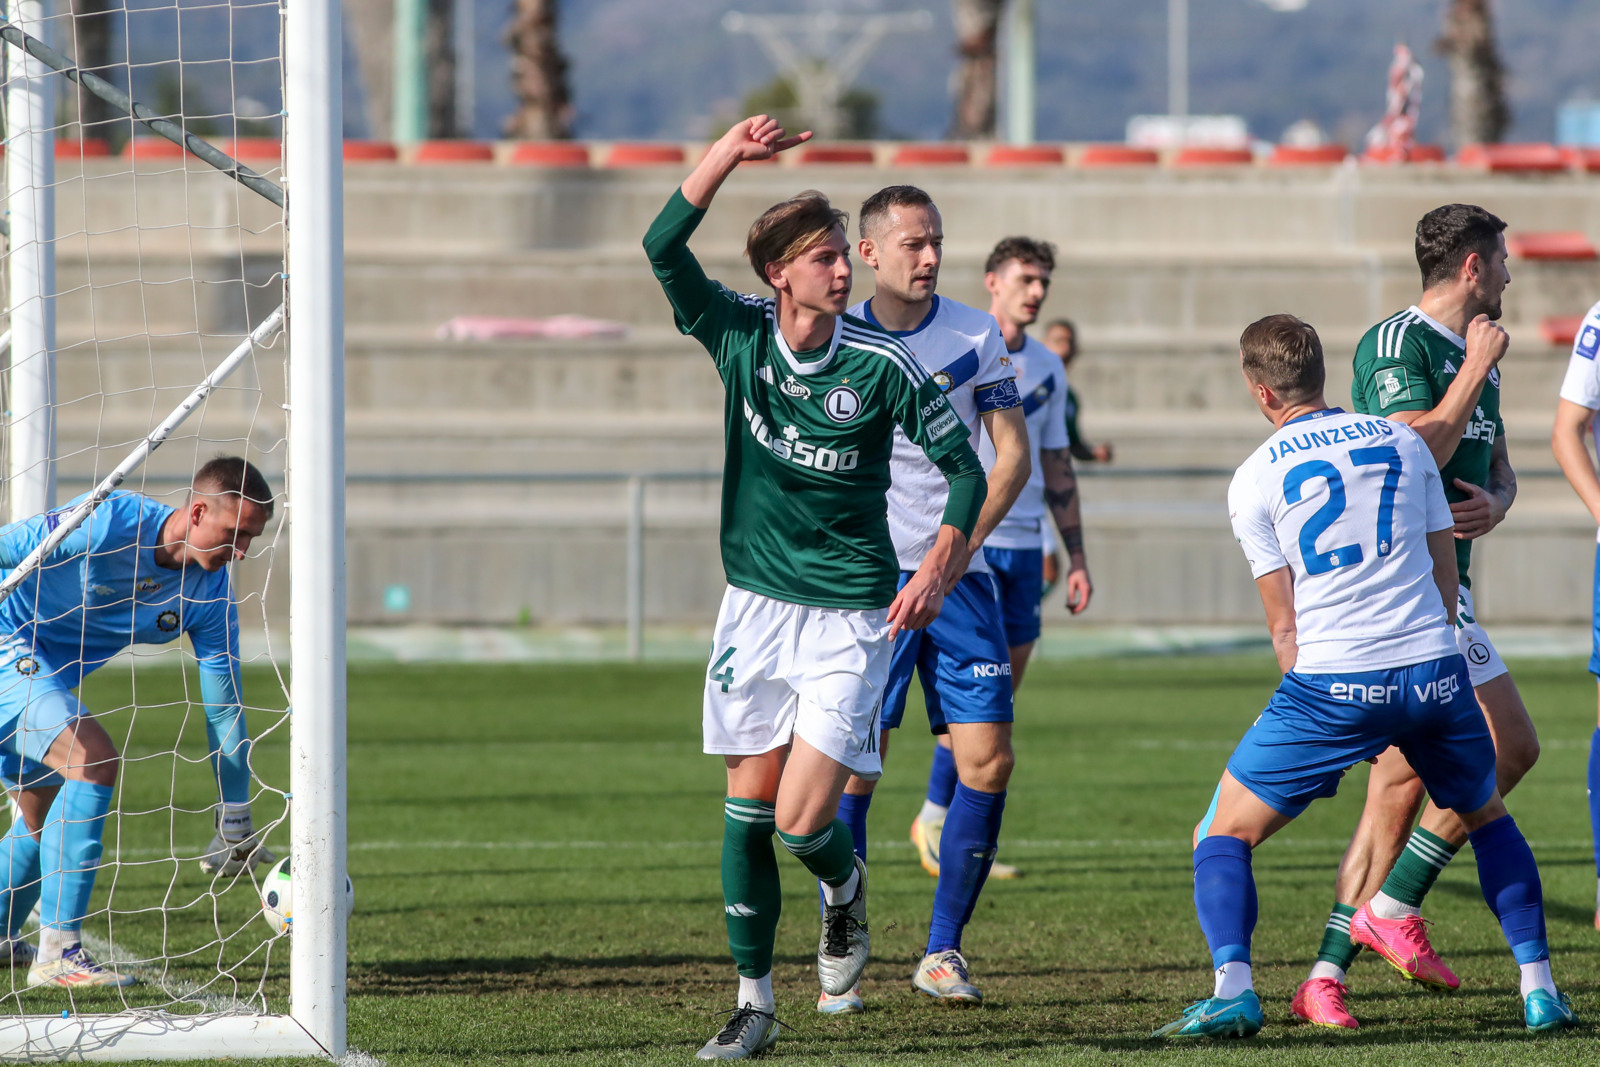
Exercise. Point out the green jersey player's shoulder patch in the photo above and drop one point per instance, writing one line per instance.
(1391, 385)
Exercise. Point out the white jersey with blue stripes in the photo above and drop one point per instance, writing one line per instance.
(964, 352)
(1346, 502)
(1042, 384)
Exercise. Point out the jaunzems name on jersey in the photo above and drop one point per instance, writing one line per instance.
(1331, 435)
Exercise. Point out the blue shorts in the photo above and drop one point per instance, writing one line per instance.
(1318, 725)
(35, 706)
(1594, 656)
(961, 658)
(1019, 572)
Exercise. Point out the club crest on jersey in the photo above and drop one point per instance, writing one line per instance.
(943, 381)
(27, 666)
(842, 403)
(1588, 341)
(167, 621)
(146, 585)
(798, 390)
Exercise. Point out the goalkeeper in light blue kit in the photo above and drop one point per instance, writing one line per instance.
(1344, 522)
(137, 571)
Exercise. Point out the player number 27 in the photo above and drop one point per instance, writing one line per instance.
(1345, 555)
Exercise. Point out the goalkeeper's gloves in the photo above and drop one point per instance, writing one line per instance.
(234, 847)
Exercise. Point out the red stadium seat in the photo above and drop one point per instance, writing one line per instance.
(931, 155)
(1567, 245)
(645, 155)
(550, 154)
(1326, 155)
(453, 152)
(255, 148)
(1033, 155)
(1512, 158)
(88, 148)
(1561, 329)
(1117, 155)
(1582, 158)
(830, 154)
(1212, 157)
(153, 148)
(370, 152)
(1421, 153)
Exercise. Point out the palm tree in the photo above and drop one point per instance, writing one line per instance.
(977, 33)
(538, 73)
(1478, 110)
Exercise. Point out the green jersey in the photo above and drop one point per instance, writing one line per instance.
(808, 436)
(1406, 363)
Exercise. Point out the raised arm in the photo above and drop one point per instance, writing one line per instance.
(688, 289)
(1442, 426)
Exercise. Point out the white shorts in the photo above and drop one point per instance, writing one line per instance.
(1483, 661)
(780, 670)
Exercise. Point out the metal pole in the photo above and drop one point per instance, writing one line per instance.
(313, 129)
(1178, 58)
(30, 189)
(1021, 74)
(410, 71)
(466, 41)
(635, 568)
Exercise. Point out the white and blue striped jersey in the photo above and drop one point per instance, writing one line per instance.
(1582, 383)
(102, 590)
(1346, 502)
(962, 349)
(1042, 384)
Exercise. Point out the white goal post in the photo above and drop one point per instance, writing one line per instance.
(314, 1024)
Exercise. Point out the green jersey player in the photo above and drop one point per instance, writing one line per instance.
(800, 655)
(1434, 366)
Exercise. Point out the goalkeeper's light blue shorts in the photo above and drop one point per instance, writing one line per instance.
(35, 706)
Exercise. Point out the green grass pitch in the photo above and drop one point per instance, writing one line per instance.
(535, 855)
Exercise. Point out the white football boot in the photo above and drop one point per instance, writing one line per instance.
(748, 1032)
(842, 949)
(847, 1003)
(74, 969)
(944, 976)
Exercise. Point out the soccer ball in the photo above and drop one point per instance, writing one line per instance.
(277, 897)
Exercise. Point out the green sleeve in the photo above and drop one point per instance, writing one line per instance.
(702, 308)
(1395, 379)
(1074, 438)
(968, 488)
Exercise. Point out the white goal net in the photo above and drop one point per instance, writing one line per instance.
(145, 283)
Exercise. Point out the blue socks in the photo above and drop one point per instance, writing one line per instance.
(1511, 887)
(1225, 898)
(1594, 796)
(19, 877)
(69, 852)
(966, 852)
(942, 776)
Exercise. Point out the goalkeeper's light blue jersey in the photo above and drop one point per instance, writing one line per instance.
(102, 590)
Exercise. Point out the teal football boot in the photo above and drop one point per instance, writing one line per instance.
(1212, 1017)
(1543, 1012)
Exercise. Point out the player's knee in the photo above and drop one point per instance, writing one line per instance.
(992, 773)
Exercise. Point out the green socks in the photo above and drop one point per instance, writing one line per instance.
(1337, 948)
(829, 853)
(1418, 868)
(751, 893)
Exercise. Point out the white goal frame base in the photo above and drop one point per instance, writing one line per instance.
(153, 1035)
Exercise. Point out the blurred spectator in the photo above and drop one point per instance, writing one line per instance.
(1061, 337)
